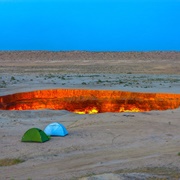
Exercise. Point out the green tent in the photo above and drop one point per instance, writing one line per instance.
(35, 135)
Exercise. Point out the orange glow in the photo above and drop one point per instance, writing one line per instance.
(83, 101)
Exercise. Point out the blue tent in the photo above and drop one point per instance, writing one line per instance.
(55, 129)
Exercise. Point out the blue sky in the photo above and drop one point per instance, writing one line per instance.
(91, 25)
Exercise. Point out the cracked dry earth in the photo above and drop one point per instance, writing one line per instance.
(127, 145)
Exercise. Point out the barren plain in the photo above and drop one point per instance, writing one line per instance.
(128, 145)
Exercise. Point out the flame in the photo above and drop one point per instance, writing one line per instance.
(130, 109)
(87, 111)
(83, 101)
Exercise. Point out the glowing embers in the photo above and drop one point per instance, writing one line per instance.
(84, 101)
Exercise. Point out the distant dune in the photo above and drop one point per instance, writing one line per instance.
(90, 62)
(87, 55)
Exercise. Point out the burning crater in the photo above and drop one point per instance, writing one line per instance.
(89, 101)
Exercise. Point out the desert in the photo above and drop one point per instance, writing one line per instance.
(124, 145)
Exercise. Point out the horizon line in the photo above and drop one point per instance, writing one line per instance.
(89, 51)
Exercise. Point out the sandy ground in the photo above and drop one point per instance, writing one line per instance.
(99, 146)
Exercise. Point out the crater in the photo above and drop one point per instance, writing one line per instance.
(84, 101)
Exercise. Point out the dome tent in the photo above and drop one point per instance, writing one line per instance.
(35, 135)
(55, 129)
